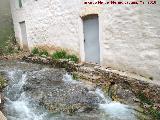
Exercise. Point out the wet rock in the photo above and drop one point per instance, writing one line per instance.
(48, 89)
(122, 93)
(63, 97)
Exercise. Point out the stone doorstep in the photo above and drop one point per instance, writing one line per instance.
(2, 117)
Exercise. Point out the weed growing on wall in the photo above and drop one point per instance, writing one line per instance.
(73, 58)
(75, 76)
(63, 55)
(40, 52)
(35, 51)
(59, 55)
(43, 53)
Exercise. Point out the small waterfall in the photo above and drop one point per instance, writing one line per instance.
(115, 109)
(18, 105)
(106, 99)
(69, 78)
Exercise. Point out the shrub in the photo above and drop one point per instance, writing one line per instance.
(73, 58)
(59, 55)
(35, 51)
(43, 53)
(63, 55)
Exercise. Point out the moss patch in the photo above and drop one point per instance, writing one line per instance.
(75, 76)
(144, 99)
(3, 82)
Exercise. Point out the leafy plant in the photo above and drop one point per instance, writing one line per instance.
(59, 55)
(43, 53)
(73, 58)
(63, 55)
(35, 51)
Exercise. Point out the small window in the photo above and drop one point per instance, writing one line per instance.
(20, 3)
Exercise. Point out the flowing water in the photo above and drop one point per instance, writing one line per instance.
(19, 106)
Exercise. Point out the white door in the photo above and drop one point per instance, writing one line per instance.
(24, 35)
(91, 39)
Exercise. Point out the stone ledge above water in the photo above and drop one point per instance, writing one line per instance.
(124, 87)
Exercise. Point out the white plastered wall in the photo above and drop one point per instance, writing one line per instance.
(129, 34)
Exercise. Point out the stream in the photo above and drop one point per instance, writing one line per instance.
(38, 92)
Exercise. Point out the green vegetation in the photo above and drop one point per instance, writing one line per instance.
(2, 82)
(63, 55)
(6, 32)
(6, 29)
(73, 58)
(155, 113)
(59, 55)
(43, 53)
(10, 46)
(40, 52)
(35, 51)
(151, 110)
(75, 76)
(144, 99)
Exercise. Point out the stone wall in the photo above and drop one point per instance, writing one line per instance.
(129, 34)
(120, 86)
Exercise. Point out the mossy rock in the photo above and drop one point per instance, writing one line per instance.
(3, 82)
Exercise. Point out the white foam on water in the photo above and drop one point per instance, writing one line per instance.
(115, 110)
(20, 109)
(100, 93)
(69, 78)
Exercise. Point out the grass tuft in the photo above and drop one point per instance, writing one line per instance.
(59, 55)
(73, 58)
(63, 55)
(35, 51)
(43, 53)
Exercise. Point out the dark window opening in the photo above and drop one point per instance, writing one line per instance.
(20, 3)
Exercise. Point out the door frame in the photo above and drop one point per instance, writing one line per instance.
(82, 48)
(21, 36)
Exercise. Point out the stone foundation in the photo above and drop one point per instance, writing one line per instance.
(120, 86)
